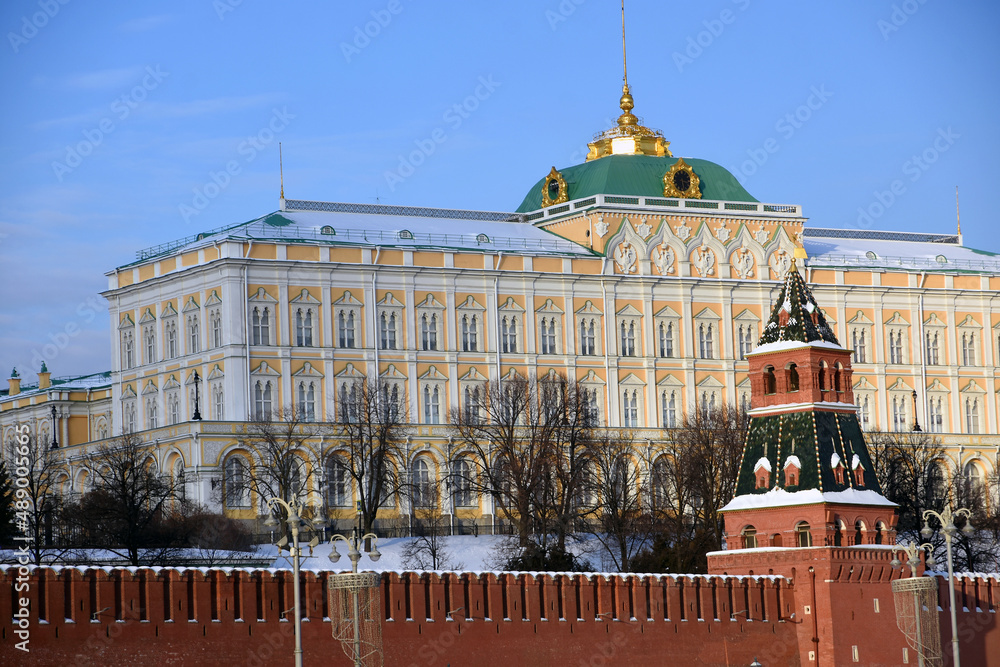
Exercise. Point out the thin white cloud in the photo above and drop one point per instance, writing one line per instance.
(145, 23)
(104, 79)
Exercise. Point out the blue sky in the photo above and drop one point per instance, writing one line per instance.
(121, 119)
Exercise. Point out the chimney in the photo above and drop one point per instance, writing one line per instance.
(15, 383)
(44, 377)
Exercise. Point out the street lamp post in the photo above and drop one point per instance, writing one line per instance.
(916, 422)
(912, 551)
(950, 530)
(293, 550)
(55, 443)
(354, 554)
(197, 412)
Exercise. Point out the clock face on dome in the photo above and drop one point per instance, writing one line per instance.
(554, 189)
(680, 181)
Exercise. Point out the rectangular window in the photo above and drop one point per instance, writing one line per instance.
(216, 329)
(931, 344)
(428, 332)
(260, 320)
(548, 335)
(627, 335)
(666, 339)
(470, 333)
(432, 404)
(508, 333)
(668, 404)
(387, 331)
(304, 327)
(345, 328)
(630, 408)
(859, 343)
(588, 336)
(706, 341)
(194, 335)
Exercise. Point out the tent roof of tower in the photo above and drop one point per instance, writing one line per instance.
(803, 322)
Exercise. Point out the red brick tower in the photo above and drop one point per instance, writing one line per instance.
(806, 479)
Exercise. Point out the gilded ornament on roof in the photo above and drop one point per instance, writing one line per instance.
(680, 181)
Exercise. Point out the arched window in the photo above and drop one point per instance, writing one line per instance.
(462, 478)
(836, 377)
(823, 370)
(237, 494)
(749, 537)
(879, 532)
(793, 377)
(973, 480)
(859, 532)
(936, 482)
(770, 386)
(178, 475)
(802, 535)
(422, 483)
(338, 482)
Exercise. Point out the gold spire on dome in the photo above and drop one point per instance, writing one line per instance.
(628, 137)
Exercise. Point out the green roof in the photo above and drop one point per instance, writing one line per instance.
(638, 176)
(803, 320)
(814, 437)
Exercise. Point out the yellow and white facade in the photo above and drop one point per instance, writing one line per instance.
(646, 277)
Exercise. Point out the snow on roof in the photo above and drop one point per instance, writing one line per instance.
(397, 226)
(835, 460)
(69, 383)
(855, 462)
(763, 463)
(782, 498)
(793, 460)
(781, 345)
(870, 248)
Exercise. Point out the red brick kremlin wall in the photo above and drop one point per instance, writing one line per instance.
(234, 617)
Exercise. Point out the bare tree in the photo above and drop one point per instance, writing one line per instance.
(912, 473)
(712, 441)
(506, 431)
(615, 498)
(428, 550)
(693, 474)
(126, 510)
(40, 516)
(373, 432)
(279, 466)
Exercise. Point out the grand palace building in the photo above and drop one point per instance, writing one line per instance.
(644, 276)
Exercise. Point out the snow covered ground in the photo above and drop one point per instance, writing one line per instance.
(468, 553)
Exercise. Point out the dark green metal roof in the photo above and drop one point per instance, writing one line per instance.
(640, 176)
(805, 322)
(814, 437)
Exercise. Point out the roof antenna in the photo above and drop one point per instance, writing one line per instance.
(281, 172)
(958, 217)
